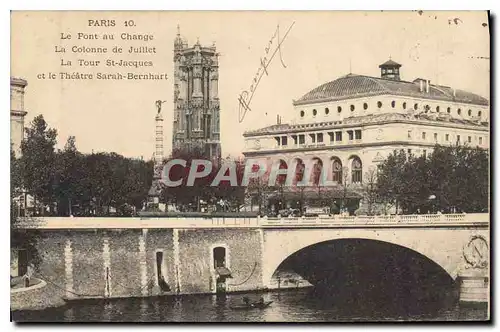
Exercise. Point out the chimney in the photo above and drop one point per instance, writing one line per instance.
(427, 85)
(421, 86)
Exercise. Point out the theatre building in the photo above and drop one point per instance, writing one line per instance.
(350, 125)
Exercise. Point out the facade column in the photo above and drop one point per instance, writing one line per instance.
(177, 261)
(106, 256)
(143, 262)
(68, 269)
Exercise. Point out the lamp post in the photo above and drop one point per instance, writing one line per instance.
(432, 199)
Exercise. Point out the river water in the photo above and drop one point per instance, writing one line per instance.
(297, 305)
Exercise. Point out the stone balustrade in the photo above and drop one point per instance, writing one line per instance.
(253, 222)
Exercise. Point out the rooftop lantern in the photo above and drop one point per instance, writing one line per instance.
(390, 70)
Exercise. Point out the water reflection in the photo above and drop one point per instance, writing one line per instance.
(302, 305)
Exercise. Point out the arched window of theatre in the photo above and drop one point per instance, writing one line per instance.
(448, 110)
(459, 111)
(317, 170)
(302, 114)
(365, 106)
(393, 104)
(404, 105)
(357, 170)
(437, 109)
(315, 112)
(415, 107)
(479, 113)
(219, 255)
(470, 112)
(339, 109)
(327, 111)
(379, 104)
(299, 170)
(336, 170)
(352, 108)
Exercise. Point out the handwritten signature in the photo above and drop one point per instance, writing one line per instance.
(245, 97)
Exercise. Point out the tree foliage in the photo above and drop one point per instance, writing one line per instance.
(451, 179)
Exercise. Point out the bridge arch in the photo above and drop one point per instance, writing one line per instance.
(445, 254)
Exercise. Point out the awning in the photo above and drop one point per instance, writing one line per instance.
(223, 272)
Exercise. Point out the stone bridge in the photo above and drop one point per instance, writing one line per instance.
(122, 257)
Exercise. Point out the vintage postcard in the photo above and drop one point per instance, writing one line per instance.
(328, 166)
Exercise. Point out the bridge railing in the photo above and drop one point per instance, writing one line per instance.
(337, 220)
(252, 222)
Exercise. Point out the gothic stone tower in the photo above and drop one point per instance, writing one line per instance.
(196, 101)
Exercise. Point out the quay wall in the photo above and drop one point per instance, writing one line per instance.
(98, 263)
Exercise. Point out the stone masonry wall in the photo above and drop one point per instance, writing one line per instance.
(243, 257)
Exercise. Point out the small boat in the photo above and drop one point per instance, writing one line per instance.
(255, 305)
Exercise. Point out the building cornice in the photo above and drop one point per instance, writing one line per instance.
(18, 81)
(363, 124)
(18, 113)
(347, 147)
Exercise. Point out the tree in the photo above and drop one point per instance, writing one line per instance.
(37, 161)
(370, 191)
(450, 179)
(68, 177)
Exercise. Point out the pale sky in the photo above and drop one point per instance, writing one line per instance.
(118, 116)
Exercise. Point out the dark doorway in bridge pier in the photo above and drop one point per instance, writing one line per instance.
(372, 276)
(221, 270)
(159, 272)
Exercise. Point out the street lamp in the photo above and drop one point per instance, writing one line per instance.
(432, 199)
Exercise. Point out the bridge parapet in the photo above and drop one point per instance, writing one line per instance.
(385, 220)
(472, 219)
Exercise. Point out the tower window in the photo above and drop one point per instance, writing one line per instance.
(284, 140)
(357, 134)
(315, 112)
(448, 110)
(480, 140)
(352, 108)
(302, 114)
(459, 111)
(404, 105)
(469, 139)
(469, 112)
(339, 109)
(351, 135)
(458, 138)
(327, 111)
(423, 135)
(437, 109)
(365, 106)
(338, 136)
(447, 137)
(379, 104)
(435, 137)
(302, 139)
(393, 104)
(478, 113)
(415, 107)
